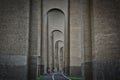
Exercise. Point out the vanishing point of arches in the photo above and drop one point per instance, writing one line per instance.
(54, 32)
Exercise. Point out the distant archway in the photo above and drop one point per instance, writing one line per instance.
(54, 29)
(55, 32)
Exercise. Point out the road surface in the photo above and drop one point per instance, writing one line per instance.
(55, 76)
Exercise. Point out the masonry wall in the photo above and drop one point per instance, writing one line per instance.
(14, 29)
(86, 39)
(106, 39)
(34, 39)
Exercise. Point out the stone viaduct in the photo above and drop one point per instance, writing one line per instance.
(79, 37)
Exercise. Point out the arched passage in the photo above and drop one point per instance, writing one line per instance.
(58, 58)
(55, 30)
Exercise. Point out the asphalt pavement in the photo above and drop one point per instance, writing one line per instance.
(55, 76)
(48, 77)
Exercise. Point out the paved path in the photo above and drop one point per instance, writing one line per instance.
(48, 77)
(59, 76)
(55, 76)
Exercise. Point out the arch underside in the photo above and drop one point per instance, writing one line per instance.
(55, 39)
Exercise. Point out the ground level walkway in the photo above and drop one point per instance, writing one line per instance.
(56, 76)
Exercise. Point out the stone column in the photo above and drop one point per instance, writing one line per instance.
(44, 44)
(75, 37)
(34, 39)
(87, 39)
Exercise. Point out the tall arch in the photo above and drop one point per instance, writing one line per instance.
(56, 35)
(57, 57)
(54, 29)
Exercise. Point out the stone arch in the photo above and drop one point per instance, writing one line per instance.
(58, 45)
(55, 36)
(54, 28)
(55, 31)
(55, 9)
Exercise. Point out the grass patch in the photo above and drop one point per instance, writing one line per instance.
(74, 78)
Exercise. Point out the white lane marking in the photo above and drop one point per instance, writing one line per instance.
(53, 77)
(65, 76)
